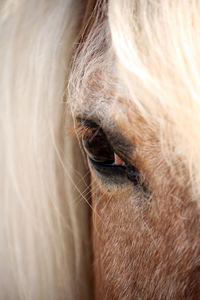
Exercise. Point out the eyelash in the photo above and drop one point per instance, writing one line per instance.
(101, 154)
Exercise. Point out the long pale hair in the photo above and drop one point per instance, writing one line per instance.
(44, 242)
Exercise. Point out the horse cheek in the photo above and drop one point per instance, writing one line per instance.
(140, 250)
(116, 231)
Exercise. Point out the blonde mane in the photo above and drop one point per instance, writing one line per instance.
(44, 250)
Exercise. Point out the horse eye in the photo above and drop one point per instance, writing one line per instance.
(97, 146)
(103, 156)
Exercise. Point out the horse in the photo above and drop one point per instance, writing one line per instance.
(100, 179)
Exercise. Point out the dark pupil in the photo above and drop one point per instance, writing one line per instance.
(98, 147)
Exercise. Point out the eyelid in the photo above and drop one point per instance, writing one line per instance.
(86, 123)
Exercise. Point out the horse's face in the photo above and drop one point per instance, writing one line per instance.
(145, 219)
(145, 242)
